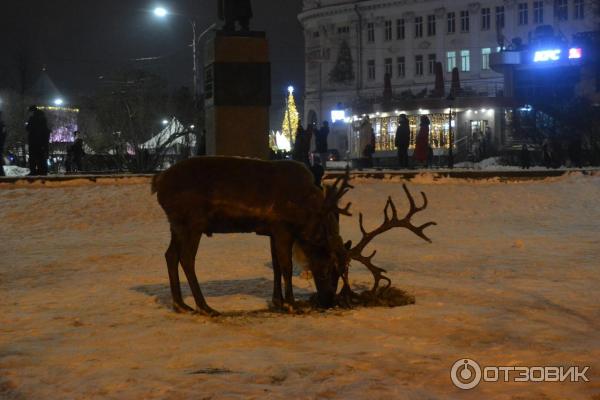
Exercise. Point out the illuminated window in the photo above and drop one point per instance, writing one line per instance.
(465, 60)
(451, 57)
(485, 58)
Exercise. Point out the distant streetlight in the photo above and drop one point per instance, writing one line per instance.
(165, 122)
(58, 102)
(160, 12)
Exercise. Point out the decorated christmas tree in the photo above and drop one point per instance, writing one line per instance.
(343, 71)
(290, 117)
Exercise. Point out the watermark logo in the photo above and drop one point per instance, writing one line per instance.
(467, 374)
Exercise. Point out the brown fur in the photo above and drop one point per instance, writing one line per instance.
(279, 199)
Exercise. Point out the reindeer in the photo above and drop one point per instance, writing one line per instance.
(278, 199)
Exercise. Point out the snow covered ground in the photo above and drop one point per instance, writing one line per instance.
(511, 279)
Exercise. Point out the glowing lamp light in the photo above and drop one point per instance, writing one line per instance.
(58, 102)
(575, 53)
(291, 89)
(160, 12)
(547, 55)
(338, 115)
(165, 122)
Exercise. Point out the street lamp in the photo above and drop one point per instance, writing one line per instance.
(450, 99)
(162, 12)
(59, 102)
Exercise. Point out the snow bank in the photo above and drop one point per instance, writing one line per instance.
(511, 279)
(13, 170)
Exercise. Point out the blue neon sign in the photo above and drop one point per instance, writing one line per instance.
(550, 55)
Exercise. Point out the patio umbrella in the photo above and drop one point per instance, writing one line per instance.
(438, 91)
(455, 87)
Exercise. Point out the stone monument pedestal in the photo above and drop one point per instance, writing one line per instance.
(237, 88)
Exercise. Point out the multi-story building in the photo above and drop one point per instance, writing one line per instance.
(354, 47)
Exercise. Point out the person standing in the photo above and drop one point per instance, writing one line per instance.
(365, 139)
(422, 144)
(2, 142)
(302, 145)
(321, 143)
(402, 140)
(525, 157)
(39, 141)
(77, 153)
(547, 153)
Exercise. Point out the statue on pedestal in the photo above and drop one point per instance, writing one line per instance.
(232, 11)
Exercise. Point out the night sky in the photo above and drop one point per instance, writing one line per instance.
(79, 41)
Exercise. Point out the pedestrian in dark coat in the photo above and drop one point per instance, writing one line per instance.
(77, 153)
(2, 142)
(547, 153)
(402, 140)
(302, 145)
(39, 142)
(422, 146)
(321, 144)
(525, 157)
(318, 172)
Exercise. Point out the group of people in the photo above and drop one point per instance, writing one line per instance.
(423, 154)
(303, 145)
(38, 139)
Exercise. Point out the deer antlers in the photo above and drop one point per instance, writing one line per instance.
(390, 222)
(335, 193)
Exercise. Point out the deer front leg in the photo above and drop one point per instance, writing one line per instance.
(188, 261)
(283, 249)
(277, 295)
(172, 257)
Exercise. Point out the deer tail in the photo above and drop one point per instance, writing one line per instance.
(155, 181)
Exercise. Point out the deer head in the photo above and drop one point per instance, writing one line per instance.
(344, 253)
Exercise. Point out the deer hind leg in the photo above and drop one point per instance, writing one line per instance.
(172, 257)
(283, 249)
(277, 295)
(189, 249)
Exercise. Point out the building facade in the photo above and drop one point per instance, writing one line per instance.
(354, 47)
